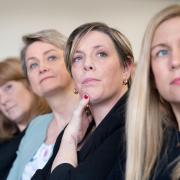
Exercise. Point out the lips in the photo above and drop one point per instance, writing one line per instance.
(89, 81)
(10, 108)
(45, 78)
(176, 81)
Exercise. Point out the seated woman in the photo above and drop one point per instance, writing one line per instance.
(43, 61)
(100, 60)
(153, 121)
(18, 106)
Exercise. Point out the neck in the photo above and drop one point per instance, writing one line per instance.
(63, 104)
(21, 126)
(100, 110)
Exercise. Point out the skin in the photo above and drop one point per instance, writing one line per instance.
(98, 75)
(46, 69)
(94, 66)
(13, 94)
(165, 62)
(50, 79)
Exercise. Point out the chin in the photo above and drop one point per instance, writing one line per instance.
(95, 99)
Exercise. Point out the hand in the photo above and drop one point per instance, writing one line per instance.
(73, 134)
(79, 123)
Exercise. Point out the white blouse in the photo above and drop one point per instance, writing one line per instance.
(38, 161)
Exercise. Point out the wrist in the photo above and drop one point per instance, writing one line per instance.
(70, 139)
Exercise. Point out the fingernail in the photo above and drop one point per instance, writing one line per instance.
(86, 96)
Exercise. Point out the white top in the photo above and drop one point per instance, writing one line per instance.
(38, 161)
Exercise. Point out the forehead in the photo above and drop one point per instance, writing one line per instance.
(39, 47)
(167, 30)
(94, 38)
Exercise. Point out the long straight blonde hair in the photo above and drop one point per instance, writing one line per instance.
(148, 114)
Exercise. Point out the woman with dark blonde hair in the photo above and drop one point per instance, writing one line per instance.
(99, 59)
(18, 106)
(42, 57)
(153, 117)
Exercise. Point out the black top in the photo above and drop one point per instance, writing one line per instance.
(8, 154)
(98, 158)
(170, 152)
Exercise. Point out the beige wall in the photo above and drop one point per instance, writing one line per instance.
(18, 17)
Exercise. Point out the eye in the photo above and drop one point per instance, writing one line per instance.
(162, 53)
(52, 58)
(8, 87)
(102, 54)
(77, 59)
(33, 66)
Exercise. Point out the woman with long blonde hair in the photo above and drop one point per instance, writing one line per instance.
(153, 121)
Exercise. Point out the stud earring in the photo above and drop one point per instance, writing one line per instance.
(125, 82)
(75, 91)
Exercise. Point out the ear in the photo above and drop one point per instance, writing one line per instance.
(128, 67)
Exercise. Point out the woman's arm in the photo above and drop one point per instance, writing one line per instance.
(73, 135)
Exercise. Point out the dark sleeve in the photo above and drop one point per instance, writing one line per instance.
(8, 154)
(96, 167)
(64, 170)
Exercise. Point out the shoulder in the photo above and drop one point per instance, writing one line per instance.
(37, 128)
(42, 120)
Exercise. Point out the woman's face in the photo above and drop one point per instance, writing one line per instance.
(165, 60)
(46, 69)
(96, 68)
(15, 100)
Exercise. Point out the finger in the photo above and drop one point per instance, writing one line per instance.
(83, 103)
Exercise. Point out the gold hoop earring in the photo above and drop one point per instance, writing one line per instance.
(75, 91)
(125, 82)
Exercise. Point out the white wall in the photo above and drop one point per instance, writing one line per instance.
(19, 17)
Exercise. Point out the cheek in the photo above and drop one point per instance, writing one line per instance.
(76, 78)
(161, 82)
(32, 80)
(34, 84)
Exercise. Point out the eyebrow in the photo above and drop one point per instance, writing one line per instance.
(94, 47)
(44, 53)
(157, 45)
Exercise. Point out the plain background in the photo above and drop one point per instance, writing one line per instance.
(19, 17)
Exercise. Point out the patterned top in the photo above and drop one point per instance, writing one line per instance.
(38, 161)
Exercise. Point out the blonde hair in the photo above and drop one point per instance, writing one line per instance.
(10, 70)
(50, 36)
(148, 114)
(121, 43)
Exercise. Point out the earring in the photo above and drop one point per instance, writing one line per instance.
(125, 82)
(75, 91)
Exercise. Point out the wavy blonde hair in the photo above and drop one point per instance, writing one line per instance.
(148, 114)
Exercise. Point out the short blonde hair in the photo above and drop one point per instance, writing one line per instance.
(121, 43)
(50, 36)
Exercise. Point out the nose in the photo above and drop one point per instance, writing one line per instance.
(43, 68)
(89, 65)
(175, 61)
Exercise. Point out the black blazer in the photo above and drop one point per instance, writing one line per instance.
(99, 158)
(171, 151)
(8, 154)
